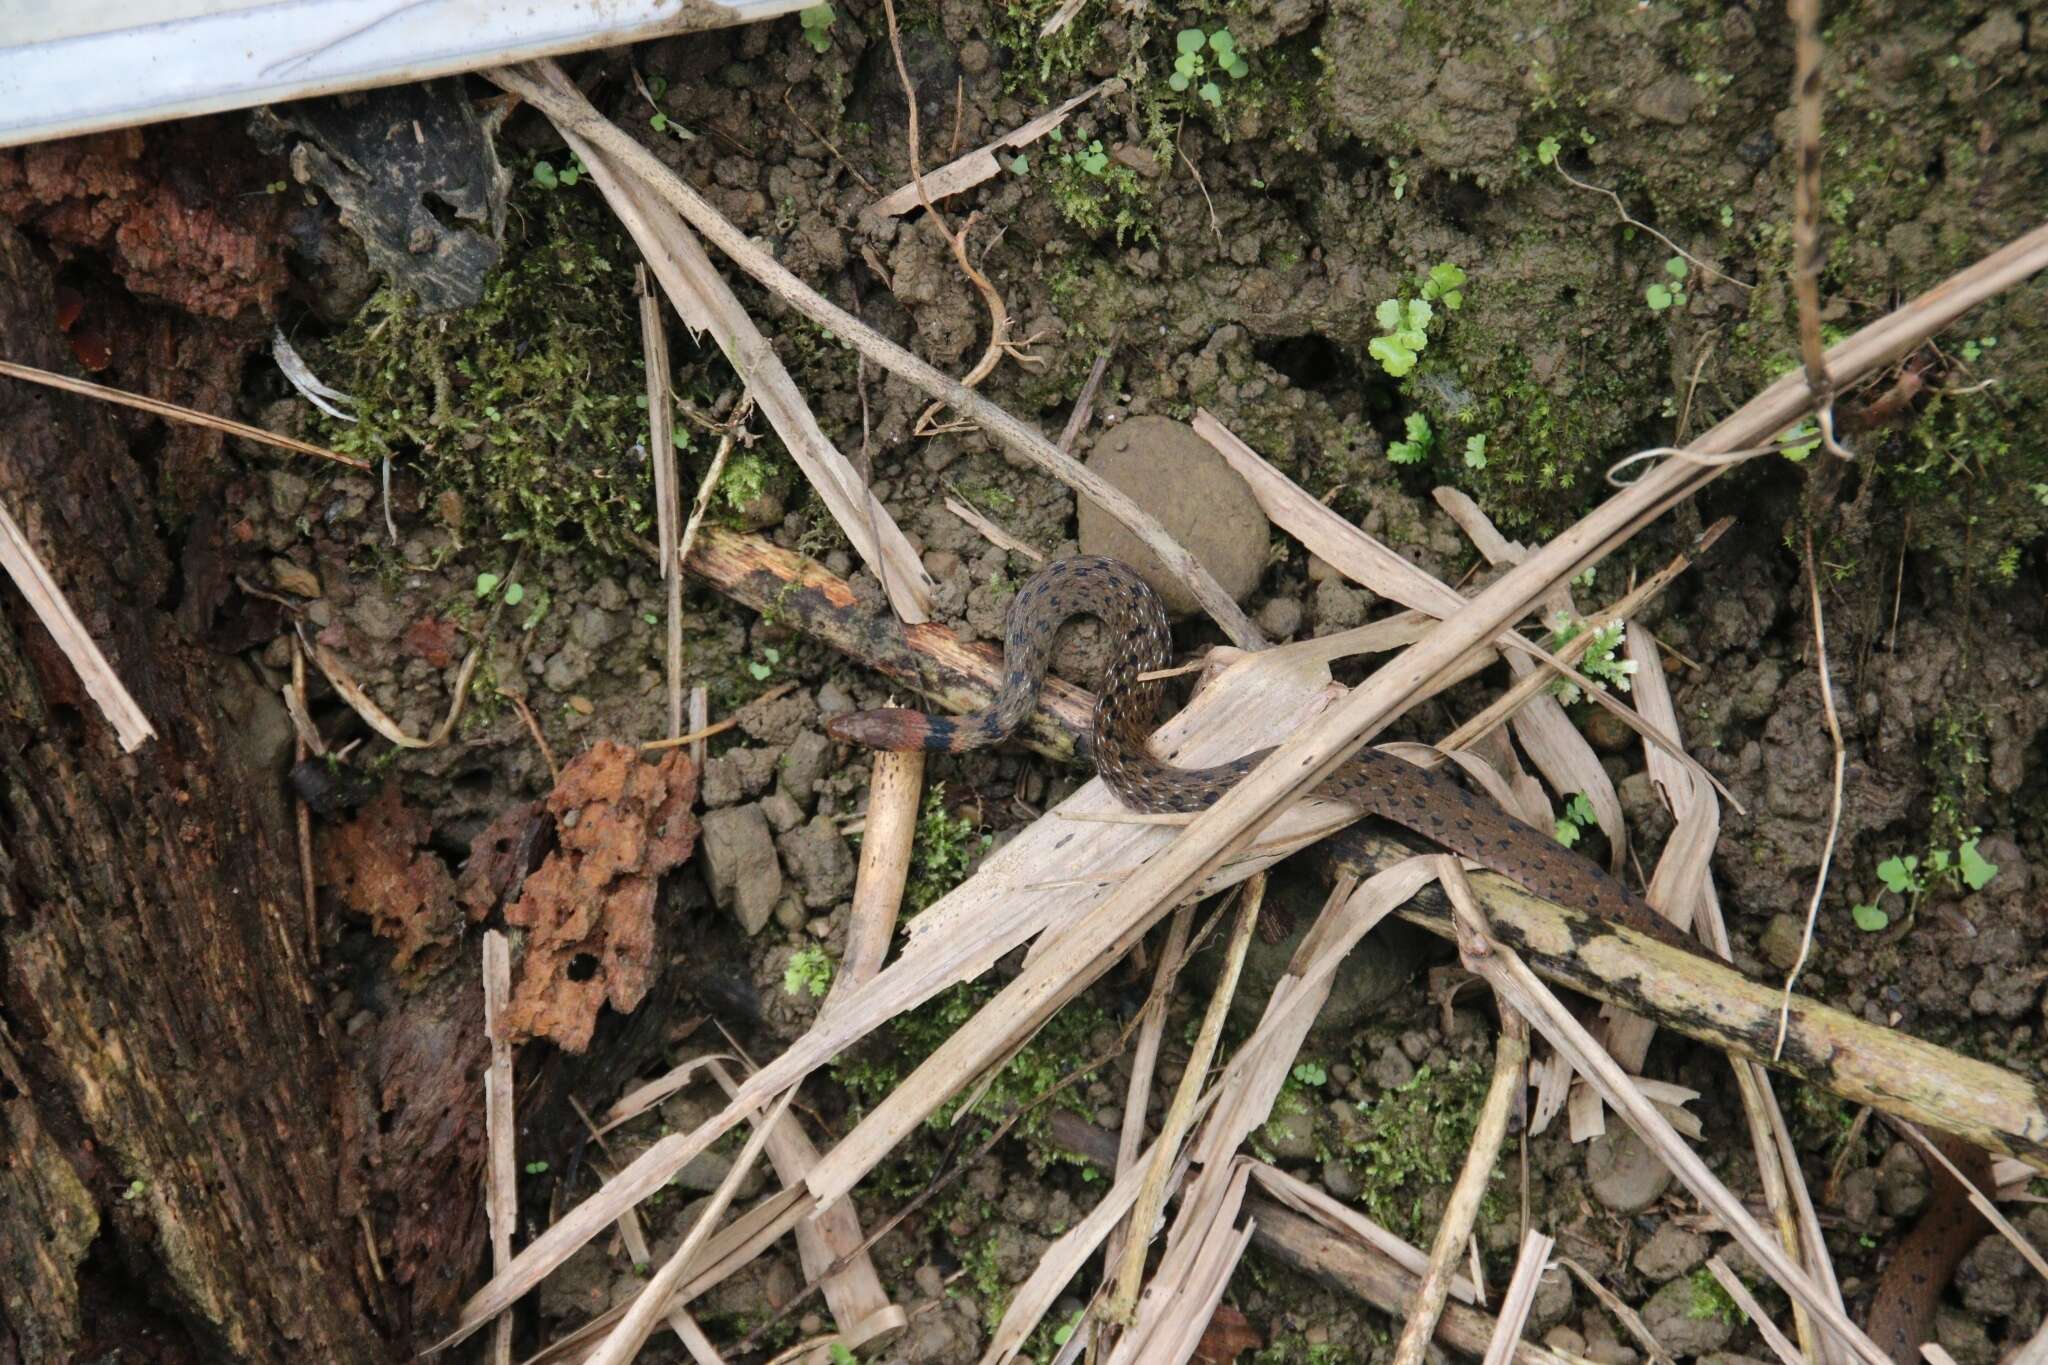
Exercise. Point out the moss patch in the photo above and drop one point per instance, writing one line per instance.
(529, 405)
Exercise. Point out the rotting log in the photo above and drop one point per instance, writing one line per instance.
(1691, 993)
(172, 1113)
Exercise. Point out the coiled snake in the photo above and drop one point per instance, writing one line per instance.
(1380, 784)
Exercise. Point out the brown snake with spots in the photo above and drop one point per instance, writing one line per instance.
(1417, 799)
(1380, 784)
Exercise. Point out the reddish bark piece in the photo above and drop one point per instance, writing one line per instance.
(379, 865)
(620, 824)
(501, 856)
(1228, 1335)
(165, 207)
(432, 638)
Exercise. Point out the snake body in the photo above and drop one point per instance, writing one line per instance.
(1415, 798)
(1377, 783)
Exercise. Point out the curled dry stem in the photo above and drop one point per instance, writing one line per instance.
(999, 343)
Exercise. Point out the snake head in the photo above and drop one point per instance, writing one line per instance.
(892, 729)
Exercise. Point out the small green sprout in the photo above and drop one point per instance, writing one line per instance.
(1905, 875)
(817, 24)
(1661, 296)
(1578, 817)
(1972, 350)
(547, 177)
(1547, 150)
(1800, 442)
(1311, 1074)
(486, 584)
(1404, 323)
(136, 1189)
(761, 669)
(809, 972)
(1197, 54)
(1475, 452)
(1445, 282)
(1602, 661)
(536, 1168)
(1420, 439)
(842, 1356)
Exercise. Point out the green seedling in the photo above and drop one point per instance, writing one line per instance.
(809, 972)
(1197, 55)
(1578, 817)
(547, 177)
(1404, 323)
(817, 24)
(1420, 440)
(1907, 876)
(1660, 295)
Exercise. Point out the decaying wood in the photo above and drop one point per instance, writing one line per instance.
(1693, 994)
(169, 1094)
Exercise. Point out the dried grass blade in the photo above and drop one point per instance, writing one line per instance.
(965, 172)
(701, 295)
(1520, 1297)
(543, 85)
(173, 412)
(131, 728)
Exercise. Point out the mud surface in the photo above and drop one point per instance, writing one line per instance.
(1232, 255)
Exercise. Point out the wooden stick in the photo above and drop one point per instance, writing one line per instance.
(572, 113)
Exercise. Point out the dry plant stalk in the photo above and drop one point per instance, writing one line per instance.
(652, 1303)
(707, 304)
(1520, 1297)
(1180, 1111)
(1500, 967)
(964, 173)
(543, 86)
(1510, 1053)
(895, 786)
(1806, 252)
(830, 1247)
(501, 1170)
(131, 728)
(1732, 1284)
(173, 412)
(662, 451)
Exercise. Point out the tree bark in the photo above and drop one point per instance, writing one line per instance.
(175, 1125)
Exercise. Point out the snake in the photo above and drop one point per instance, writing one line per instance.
(1418, 799)
(1377, 783)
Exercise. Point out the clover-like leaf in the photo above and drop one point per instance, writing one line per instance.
(1869, 918)
(1977, 872)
